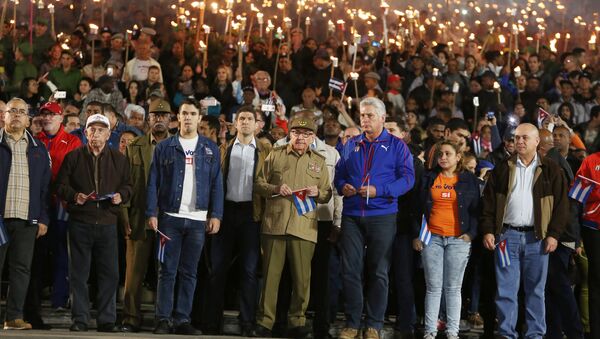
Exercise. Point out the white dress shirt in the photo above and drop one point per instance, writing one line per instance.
(240, 178)
(519, 207)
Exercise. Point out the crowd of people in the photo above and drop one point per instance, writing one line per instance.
(450, 189)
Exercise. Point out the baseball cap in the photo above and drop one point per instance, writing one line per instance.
(322, 53)
(52, 107)
(97, 119)
(393, 77)
(302, 122)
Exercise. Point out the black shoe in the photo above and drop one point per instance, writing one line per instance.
(186, 329)
(108, 327)
(162, 327)
(40, 326)
(246, 330)
(403, 335)
(128, 328)
(298, 332)
(78, 327)
(260, 332)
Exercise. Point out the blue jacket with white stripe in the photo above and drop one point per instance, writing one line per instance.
(385, 163)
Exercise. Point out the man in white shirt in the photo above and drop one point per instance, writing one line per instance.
(184, 200)
(525, 210)
(241, 159)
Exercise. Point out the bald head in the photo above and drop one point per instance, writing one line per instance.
(527, 139)
(546, 141)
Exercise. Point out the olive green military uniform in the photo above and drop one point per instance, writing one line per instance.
(141, 240)
(285, 232)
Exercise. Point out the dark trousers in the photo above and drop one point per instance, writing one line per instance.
(591, 242)
(40, 268)
(377, 233)
(562, 313)
(87, 241)
(403, 268)
(60, 258)
(320, 280)
(239, 235)
(20, 247)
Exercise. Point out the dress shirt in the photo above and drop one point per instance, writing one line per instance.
(519, 207)
(240, 178)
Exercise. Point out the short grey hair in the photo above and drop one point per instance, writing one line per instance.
(376, 103)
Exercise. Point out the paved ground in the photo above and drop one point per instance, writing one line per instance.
(60, 322)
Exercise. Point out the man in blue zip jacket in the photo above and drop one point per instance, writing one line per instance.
(374, 170)
(184, 200)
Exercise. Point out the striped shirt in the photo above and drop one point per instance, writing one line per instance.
(17, 193)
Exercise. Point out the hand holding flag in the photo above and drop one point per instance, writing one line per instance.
(304, 203)
(424, 233)
(162, 244)
(581, 189)
(503, 253)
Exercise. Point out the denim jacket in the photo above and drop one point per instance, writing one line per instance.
(165, 181)
(467, 191)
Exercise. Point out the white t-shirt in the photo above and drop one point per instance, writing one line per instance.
(187, 209)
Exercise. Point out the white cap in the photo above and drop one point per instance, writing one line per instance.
(97, 118)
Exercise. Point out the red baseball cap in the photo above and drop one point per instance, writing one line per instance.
(393, 77)
(53, 107)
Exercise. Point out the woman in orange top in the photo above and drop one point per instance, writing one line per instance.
(450, 197)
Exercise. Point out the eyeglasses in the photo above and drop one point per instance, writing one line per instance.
(297, 133)
(17, 112)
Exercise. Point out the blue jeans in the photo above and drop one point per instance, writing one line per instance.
(182, 254)
(444, 263)
(528, 263)
(377, 234)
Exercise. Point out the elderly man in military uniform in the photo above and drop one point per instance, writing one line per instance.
(293, 179)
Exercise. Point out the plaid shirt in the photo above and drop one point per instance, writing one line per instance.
(17, 193)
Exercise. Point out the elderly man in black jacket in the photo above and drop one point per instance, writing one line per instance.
(94, 180)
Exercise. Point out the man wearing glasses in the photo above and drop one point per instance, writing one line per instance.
(24, 180)
(94, 181)
(293, 179)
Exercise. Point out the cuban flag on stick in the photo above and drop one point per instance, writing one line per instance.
(162, 244)
(581, 189)
(303, 202)
(503, 256)
(337, 85)
(424, 233)
(3, 233)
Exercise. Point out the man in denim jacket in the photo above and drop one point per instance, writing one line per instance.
(185, 199)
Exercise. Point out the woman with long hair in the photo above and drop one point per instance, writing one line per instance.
(30, 93)
(449, 196)
(134, 94)
(222, 89)
(471, 69)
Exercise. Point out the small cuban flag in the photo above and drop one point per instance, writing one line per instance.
(503, 256)
(581, 190)
(303, 202)
(3, 232)
(337, 85)
(424, 233)
(162, 244)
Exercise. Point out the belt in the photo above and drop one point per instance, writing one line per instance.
(240, 204)
(519, 228)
